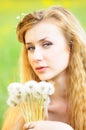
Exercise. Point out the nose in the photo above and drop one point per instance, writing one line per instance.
(37, 55)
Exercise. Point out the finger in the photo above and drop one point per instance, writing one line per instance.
(28, 126)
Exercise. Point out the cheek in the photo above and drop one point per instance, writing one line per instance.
(61, 59)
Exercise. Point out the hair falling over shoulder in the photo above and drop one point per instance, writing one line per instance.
(76, 38)
(13, 119)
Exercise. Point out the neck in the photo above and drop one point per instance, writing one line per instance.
(58, 107)
(60, 83)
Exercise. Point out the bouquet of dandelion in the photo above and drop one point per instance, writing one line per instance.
(31, 97)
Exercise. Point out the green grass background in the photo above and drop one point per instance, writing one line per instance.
(10, 47)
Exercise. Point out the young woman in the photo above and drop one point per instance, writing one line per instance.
(54, 50)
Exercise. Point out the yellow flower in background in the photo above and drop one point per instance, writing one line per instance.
(65, 3)
(48, 2)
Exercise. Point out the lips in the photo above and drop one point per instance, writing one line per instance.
(41, 68)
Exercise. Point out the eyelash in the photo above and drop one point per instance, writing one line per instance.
(31, 48)
(46, 45)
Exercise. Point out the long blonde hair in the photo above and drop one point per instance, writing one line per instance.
(76, 39)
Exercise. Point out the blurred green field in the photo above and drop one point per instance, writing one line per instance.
(9, 46)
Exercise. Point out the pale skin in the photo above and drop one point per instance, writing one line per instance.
(40, 125)
(48, 54)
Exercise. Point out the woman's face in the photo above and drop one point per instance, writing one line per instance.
(48, 52)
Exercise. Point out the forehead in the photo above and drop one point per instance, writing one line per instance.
(46, 28)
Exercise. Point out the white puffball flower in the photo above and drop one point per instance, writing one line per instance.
(30, 86)
(10, 102)
(46, 100)
(18, 17)
(13, 100)
(42, 87)
(51, 88)
(15, 93)
(15, 87)
(46, 88)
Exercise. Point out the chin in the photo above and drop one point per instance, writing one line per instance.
(45, 78)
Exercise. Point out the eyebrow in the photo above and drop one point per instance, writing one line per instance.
(41, 40)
